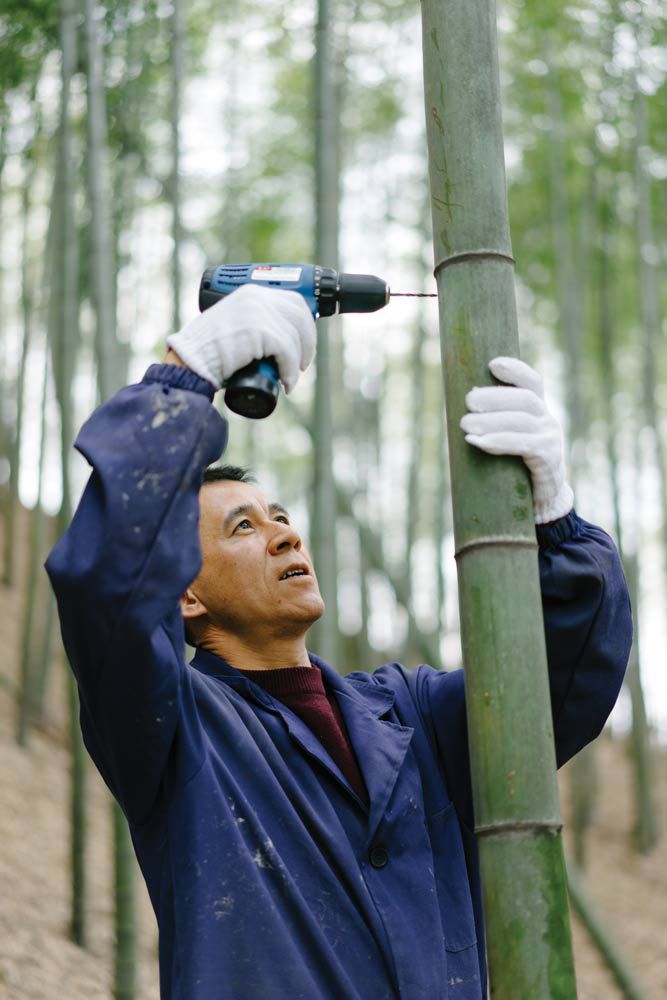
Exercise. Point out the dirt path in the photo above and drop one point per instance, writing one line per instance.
(36, 959)
(629, 889)
(38, 962)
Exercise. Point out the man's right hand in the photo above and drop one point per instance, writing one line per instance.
(251, 323)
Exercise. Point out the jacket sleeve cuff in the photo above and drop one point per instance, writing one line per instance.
(179, 378)
(553, 533)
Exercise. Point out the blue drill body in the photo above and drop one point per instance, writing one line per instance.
(299, 278)
(254, 390)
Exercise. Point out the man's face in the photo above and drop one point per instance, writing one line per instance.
(247, 545)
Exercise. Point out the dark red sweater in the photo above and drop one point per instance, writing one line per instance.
(302, 689)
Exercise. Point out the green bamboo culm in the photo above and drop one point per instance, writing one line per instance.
(324, 635)
(64, 338)
(124, 918)
(78, 785)
(507, 695)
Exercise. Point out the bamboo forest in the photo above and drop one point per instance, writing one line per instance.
(471, 182)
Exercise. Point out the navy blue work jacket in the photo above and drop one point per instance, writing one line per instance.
(268, 875)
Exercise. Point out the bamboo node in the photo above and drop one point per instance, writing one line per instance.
(485, 540)
(483, 253)
(510, 828)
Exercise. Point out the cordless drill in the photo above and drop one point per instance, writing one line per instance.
(253, 391)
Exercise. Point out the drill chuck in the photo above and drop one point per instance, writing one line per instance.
(361, 293)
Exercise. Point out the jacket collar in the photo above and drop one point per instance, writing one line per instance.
(380, 746)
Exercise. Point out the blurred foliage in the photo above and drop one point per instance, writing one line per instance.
(28, 31)
(586, 51)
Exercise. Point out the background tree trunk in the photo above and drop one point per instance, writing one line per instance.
(110, 377)
(441, 521)
(414, 477)
(33, 668)
(646, 820)
(569, 288)
(30, 162)
(362, 417)
(4, 430)
(109, 356)
(323, 523)
(65, 302)
(30, 674)
(650, 304)
(125, 916)
(177, 75)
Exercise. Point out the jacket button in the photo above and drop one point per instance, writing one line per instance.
(378, 856)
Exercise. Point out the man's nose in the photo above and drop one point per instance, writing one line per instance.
(285, 538)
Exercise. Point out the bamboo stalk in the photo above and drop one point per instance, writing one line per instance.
(645, 832)
(582, 770)
(125, 972)
(646, 824)
(40, 673)
(110, 376)
(110, 358)
(78, 913)
(65, 302)
(177, 59)
(26, 696)
(440, 520)
(64, 298)
(582, 773)
(649, 300)
(26, 313)
(34, 670)
(568, 285)
(361, 411)
(4, 430)
(414, 473)
(36, 662)
(418, 371)
(511, 740)
(366, 652)
(606, 346)
(323, 531)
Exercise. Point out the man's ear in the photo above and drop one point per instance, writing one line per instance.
(191, 606)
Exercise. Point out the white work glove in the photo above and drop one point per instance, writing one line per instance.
(505, 420)
(250, 323)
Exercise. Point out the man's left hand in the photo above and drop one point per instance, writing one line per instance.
(513, 420)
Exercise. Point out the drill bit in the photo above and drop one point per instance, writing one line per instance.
(415, 295)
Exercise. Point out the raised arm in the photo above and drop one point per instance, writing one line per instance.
(119, 571)
(133, 548)
(588, 628)
(588, 631)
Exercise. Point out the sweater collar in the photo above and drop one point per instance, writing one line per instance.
(286, 681)
(378, 700)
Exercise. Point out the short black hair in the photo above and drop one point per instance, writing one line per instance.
(227, 473)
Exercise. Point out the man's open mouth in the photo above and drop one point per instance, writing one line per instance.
(292, 573)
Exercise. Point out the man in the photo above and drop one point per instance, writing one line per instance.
(302, 835)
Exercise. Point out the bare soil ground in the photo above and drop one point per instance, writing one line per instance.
(37, 960)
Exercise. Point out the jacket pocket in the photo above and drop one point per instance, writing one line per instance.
(451, 878)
